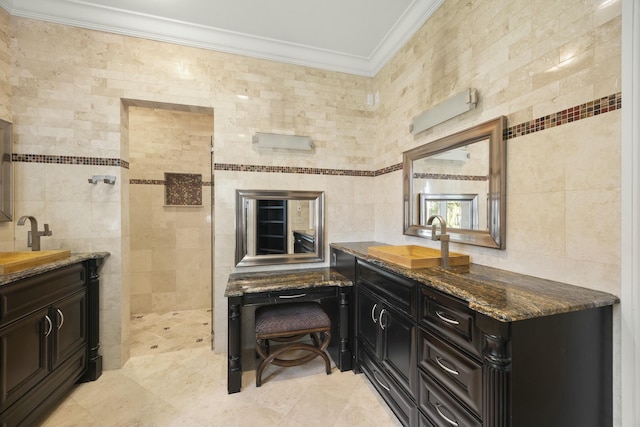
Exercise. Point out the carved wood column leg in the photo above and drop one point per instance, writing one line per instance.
(234, 345)
(94, 363)
(496, 382)
(345, 328)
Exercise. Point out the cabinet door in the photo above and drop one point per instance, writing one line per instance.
(369, 309)
(399, 347)
(25, 355)
(70, 326)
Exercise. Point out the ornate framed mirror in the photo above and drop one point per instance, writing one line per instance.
(463, 178)
(279, 227)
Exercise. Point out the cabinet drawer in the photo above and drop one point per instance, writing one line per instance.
(441, 408)
(399, 291)
(19, 298)
(290, 295)
(459, 374)
(451, 318)
(398, 401)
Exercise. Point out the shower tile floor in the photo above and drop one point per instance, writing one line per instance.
(174, 379)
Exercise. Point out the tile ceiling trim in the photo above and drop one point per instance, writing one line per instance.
(77, 13)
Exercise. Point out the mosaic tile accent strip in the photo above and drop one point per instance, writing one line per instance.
(69, 160)
(388, 169)
(589, 109)
(183, 189)
(147, 181)
(450, 177)
(290, 169)
(161, 182)
(579, 112)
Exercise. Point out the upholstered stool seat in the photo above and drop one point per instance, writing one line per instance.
(288, 323)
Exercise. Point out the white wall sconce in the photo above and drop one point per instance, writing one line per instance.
(284, 142)
(461, 103)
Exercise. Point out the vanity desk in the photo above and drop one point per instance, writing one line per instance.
(275, 287)
(477, 346)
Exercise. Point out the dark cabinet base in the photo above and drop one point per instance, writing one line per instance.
(49, 339)
(472, 370)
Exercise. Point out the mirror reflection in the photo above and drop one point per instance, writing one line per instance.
(279, 227)
(459, 177)
(458, 210)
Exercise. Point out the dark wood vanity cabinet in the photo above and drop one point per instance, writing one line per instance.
(386, 336)
(438, 363)
(552, 371)
(44, 345)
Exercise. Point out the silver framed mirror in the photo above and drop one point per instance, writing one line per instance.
(279, 227)
(462, 177)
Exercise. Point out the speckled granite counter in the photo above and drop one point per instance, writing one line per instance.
(500, 294)
(73, 259)
(263, 281)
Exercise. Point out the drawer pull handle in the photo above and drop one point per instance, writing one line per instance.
(382, 325)
(373, 313)
(447, 419)
(384, 386)
(49, 324)
(292, 296)
(446, 369)
(61, 317)
(447, 319)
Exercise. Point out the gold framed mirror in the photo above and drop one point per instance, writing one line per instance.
(279, 227)
(461, 177)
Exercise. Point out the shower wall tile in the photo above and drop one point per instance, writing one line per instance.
(170, 159)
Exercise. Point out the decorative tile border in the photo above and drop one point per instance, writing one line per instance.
(160, 182)
(69, 160)
(579, 112)
(450, 177)
(147, 181)
(289, 169)
(589, 109)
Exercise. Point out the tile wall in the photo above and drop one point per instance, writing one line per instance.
(170, 242)
(528, 59)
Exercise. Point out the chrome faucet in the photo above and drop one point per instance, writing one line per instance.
(443, 237)
(33, 237)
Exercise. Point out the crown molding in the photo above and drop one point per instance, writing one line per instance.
(78, 13)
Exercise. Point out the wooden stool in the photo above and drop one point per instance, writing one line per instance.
(289, 322)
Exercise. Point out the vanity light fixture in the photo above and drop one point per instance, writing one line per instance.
(285, 142)
(461, 103)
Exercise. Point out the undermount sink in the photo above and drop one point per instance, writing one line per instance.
(413, 256)
(10, 262)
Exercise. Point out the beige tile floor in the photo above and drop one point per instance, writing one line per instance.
(174, 379)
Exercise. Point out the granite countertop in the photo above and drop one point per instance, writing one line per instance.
(73, 259)
(502, 295)
(278, 280)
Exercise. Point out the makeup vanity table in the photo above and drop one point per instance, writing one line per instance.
(275, 287)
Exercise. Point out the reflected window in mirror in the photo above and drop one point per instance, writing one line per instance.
(462, 178)
(458, 210)
(279, 227)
